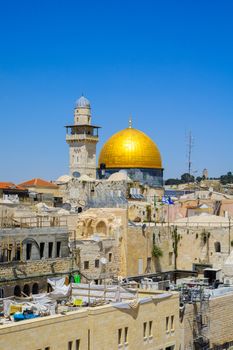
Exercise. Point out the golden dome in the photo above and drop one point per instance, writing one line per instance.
(130, 148)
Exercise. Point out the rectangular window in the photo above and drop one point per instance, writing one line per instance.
(126, 335)
(70, 345)
(47, 348)
(77, 344)
(119, 336)
(150, 328)
(144, 329)
(110, 257)
(50, 250)
(167, 324)
(28, 251)
(86, 265)
(58, 249)
(97, 263)
(172, 323)
(42, 245)
(170, 258)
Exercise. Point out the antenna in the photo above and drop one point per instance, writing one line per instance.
(190, 149)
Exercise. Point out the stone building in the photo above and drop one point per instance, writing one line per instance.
(100, 238)
(151, 323)
(31, 251)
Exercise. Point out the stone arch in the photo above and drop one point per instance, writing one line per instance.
(26, 290)
(101, 227)
(32, 241)
(217, 247)
(17, 291)
(35, 288)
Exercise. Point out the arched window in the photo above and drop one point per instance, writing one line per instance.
(35, 288)
(101, 228)
(26, 289)
(217, 246)
(17, 291)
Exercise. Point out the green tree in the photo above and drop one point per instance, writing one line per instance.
(172, 182)
(226, 179)
(186, 177)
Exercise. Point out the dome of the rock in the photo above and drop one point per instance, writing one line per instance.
(130, 148)
(133, 151)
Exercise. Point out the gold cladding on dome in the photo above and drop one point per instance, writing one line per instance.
(130, 148)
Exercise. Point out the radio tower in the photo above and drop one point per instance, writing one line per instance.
(190, 149)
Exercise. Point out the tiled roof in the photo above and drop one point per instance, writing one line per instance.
(10, 186)
(38, 183)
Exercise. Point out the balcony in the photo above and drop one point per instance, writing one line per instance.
(81, 137)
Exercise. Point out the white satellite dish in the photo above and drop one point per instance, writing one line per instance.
(96, 238)
(103, 261)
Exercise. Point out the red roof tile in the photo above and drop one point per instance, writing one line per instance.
(38, 183)
(10, 186)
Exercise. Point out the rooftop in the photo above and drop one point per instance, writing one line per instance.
(10, 186)
(37, 182)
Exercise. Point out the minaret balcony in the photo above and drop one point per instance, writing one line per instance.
(81, 137)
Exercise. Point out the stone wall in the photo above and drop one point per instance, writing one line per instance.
(195, 246)
(30, 272)
(139, 250)
(198, 245)
(219, 320)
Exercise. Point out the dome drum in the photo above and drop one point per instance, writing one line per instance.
(151, 177)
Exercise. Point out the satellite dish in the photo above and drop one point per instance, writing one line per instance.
(96, 238)
(66, 206)
(103, 261)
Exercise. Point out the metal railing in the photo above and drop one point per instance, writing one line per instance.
(33, 222)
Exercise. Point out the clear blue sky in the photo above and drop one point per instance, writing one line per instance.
(168, 63)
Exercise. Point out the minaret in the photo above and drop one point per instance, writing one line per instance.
(82, 138)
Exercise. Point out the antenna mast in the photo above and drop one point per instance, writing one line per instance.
(190, 148)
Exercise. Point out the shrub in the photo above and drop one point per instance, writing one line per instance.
(157, 251)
